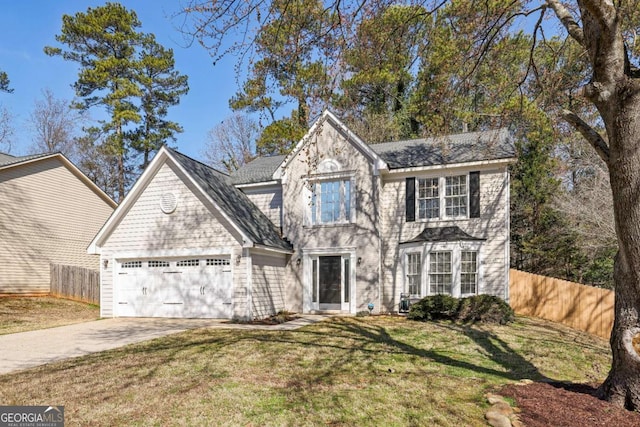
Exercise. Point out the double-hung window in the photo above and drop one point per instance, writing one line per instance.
(455, 197)
(414, 274)
(440, 273)
(441, 197)
(468, 272)
(451, 268)
(331, 202)
(428, 198)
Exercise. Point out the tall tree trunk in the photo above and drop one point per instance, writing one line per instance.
(615, 91)
(622, 386)
(121, 171)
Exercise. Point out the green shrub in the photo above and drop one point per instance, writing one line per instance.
(478, 308)
(484, 309)
(435, 307)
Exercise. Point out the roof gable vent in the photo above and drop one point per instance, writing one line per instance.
(329, 165)
(168, 202)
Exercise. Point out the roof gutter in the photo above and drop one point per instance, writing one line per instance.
(482, 163)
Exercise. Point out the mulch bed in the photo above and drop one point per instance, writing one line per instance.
(566, 405)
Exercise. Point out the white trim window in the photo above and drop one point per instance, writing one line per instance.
(440, 273)
(428, 198)
(468, 272)
(451, 268)
(414, 274)
(455, 197)
(442, 197)
(331, 202)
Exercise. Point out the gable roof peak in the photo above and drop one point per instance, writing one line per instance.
(327, 115)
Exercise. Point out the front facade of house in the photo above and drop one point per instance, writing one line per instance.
(336, 226)
(49, 213)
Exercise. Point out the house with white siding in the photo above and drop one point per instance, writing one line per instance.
(49, 213)
(337, 225)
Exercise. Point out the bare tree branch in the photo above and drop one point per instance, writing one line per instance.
(567, 20)
(593, 137)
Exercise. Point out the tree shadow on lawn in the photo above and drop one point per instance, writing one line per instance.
(368, 337)
(515, 366)
(361, 337)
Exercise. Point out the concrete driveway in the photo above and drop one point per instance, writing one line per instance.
(28, 349)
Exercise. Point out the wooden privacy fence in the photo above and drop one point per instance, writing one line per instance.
(75, 283)
(582, 307)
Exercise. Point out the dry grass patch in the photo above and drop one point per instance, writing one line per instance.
(20, 314)
(345, 371)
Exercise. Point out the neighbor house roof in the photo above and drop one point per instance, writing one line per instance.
(8, 161)
(442, 234)
(235, 204)
(260, 169)
(448, 149)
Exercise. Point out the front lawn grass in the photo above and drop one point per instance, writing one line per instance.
(20, 314)
(345, 371)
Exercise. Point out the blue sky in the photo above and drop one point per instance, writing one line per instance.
(27, 26)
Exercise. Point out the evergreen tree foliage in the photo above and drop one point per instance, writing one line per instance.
(4, 82)
(130, 76)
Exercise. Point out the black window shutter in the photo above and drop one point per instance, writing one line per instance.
(474, 192)
(410, 199)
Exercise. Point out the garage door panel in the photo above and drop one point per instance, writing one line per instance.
(175, 288)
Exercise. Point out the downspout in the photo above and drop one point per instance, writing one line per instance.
(507, 248)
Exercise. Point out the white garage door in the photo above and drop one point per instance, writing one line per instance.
(188, 287)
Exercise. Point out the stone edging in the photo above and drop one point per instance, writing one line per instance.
(501, 414)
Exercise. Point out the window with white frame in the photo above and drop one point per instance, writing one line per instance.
(331, 202)
(468, 272)
(414, 274)
(452, 268)
(442, 197)
(428, 198)
(440, 273)
(455, 197)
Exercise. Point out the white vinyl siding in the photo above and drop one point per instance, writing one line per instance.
(269, 200)
(48, 215)
(268, 296)
(338, 159)
(492, 225)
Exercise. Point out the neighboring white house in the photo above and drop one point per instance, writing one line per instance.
(49, 212)
(334, 226)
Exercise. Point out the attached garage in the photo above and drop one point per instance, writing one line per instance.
(184, 287)
(182, 244)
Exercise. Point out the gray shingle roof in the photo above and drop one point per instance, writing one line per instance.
(449, 149)
(7, 159)
(260, 169)
(235, 204)
(442, 150)
(443, 234)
